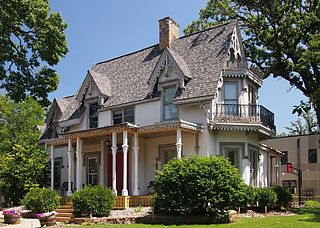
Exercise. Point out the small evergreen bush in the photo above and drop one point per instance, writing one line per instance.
(283, 195)
(312, 203)
(266, 197)
(41, 200)
(199, 186)
(93, 201)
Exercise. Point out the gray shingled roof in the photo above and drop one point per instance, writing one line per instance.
(202, 55)
(68, 106)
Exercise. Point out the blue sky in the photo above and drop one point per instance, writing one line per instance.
(103, 29)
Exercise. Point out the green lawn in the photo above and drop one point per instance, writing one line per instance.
(305, 218)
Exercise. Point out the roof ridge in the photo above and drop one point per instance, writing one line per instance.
(154, 45)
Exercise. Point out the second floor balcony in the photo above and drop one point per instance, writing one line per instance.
(238, 113)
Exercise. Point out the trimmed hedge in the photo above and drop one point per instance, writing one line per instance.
(199, 186)
(266, 197)
(283, 195)
(93, 201)
(40, 200)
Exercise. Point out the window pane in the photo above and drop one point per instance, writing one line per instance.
(93, 109)
(230, 91)
(93, 122)
(117, 116)
(129, 115)
(312, 156)
(169, 94)
(170, 112)
(232, 155)
(284, 159)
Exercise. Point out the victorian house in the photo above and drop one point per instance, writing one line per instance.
(193, 95)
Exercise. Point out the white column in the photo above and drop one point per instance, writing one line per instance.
(179, 143)
(114, 162)
(125, 162)
(136, 156)
(101, 173)
(52, 165)
(69, 192)
(78, 168)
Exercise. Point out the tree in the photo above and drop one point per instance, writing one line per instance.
(280, 37)
(306, 125)
(22, 160)
(32, 40)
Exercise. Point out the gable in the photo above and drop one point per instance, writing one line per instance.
(236, 56)
(170, 67)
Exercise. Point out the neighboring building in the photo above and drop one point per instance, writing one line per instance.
(303, 152)
(181, 97)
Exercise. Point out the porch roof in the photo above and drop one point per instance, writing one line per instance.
(273, 152)
(131, 128)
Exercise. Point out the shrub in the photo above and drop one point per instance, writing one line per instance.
(283, 195)
(93, 201)
(266, 197)
(312, 203)
(199, 186)
(40, 200)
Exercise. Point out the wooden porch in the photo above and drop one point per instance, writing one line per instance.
(122, 202)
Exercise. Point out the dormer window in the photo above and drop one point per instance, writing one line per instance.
(124, 115)
(231, 97)
(169, 109)
(93, 115)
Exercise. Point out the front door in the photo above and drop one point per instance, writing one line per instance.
(93, 171)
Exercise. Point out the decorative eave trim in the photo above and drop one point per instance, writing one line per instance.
(242, 73)
(57, 141)
(242, 127)
(102, 131)
(171, 125)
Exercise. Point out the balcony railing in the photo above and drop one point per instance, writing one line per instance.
(244, 114)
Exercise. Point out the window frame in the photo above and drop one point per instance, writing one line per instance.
(310, 160)
(285, 158)
(123, 116)
(233, 145)
(164, 104)
(91, 117)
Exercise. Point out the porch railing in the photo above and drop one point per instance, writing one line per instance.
(244, 114)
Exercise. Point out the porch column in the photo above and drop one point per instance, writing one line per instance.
(52, 165)
(125, 162)
(78, 169)
(69, 192)
(136, 155)
(179, 143)
(114, 163)
(101, 173)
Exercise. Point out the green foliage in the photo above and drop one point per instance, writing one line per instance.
(32, 40)
(199, 186)
(280, 37)
(40, 200)
(22, 160)
(307, 125)
(266, 197)
(284, 197)
(93, 201)
(312, 203)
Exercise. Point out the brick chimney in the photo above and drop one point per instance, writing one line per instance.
(168, 32)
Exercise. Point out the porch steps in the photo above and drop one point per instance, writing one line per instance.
(64, 213)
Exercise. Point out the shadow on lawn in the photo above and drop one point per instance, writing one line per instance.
(313, 212)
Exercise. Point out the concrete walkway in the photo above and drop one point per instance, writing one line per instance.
(26, 223)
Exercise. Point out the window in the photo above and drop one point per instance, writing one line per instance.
(93, 115)
(58, 165)
(124, 115)
(253, 167)
(167, 152)
(169, 109)
(231, 97)
(93, 171)
(232, 154)
(312, 156)
(284, 158)
(290, 185)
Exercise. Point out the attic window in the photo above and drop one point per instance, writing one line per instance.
(169, 109)
(124, 115)
(93, 115)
